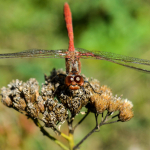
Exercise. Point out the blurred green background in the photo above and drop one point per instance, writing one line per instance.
(119, 26)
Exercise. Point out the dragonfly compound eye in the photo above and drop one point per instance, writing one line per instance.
(69, 80)
(79, 80)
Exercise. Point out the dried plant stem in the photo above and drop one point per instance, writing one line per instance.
(92, 131)
(69, 138)
(71, 141)
(103, 122)
(48, 135)
(81, 120)
(107, 119)
(65, 136)
(71, 131)
(111, 122)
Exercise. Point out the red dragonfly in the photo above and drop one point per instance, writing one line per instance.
(72, 56)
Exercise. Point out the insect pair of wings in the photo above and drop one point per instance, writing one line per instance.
(112, 57)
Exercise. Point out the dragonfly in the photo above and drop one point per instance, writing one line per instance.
(72, 55)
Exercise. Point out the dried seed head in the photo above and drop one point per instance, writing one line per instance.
(30, 90)
(125, 110)
(19, 103)
(7, 101)
(47, 91)
(32, 110)
(49, 119)
(105, 89)
(99, 101)
(55, 112)
(95, 84)
(126, 115)
(74, 101)
(55, 99)
(40, 104)
(114, 104)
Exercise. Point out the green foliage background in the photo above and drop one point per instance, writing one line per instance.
(119, 26)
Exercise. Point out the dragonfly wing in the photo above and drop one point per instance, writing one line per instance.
(111, 56)
(36, 53)
(115, 58)
(129, 66)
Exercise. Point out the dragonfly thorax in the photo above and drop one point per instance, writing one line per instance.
(73, 64)
(73, 68)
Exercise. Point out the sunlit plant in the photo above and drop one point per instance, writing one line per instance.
(55, 104)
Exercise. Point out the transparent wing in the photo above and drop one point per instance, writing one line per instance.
(115, 58)
(36, 53)
(112, 57)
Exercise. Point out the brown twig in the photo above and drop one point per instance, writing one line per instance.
(81, 120)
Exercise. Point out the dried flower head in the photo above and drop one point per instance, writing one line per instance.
(114, 103)
(52, 104)
(25, 98)
(73, 100)
(125, 110)
(99, 101)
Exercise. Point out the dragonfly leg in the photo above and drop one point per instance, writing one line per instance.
(92, 87)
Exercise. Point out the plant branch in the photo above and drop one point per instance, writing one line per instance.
(37, 123)
(92, 131)
(111, 117)
(111, 122)
(81, 120)
(71, 131)
(96, 127)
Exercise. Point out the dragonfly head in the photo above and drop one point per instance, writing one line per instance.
(74, 82)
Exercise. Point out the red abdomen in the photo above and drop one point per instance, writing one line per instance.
(68, 19)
